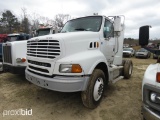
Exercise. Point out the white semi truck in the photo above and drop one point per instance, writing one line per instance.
(14, 53)
(85, 57)
(151, 81)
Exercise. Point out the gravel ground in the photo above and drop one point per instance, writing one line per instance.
(122, 100)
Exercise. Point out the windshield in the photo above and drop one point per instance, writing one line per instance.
(125, 49)
(41, 32)
(92, 23)
(12, 38)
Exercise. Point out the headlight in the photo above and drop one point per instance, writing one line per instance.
(155, 98)
(70, 68)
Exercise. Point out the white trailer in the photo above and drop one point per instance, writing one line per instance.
(85, 57)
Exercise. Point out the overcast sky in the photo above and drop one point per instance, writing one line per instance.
(136, 12)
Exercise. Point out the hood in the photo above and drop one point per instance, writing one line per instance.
(78, 41)
(126, 51)
(72, 42)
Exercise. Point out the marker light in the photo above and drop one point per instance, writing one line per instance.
(76, 68)
(158, 77)
(23, 60)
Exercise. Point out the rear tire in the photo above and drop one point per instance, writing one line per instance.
(128, 68)
(92, 96)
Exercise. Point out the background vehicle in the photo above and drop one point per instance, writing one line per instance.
(85, 57)
(128, 52)
(14, 53)
(45, 30)
(151, 81)
(142, 53)
(3, 38)
(125, 45)
(155, 56)
(1, 66)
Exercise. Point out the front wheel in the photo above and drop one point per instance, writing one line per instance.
(92, 96)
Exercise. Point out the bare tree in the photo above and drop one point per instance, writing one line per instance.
(34, 21)
(60, 19)
(25, 21)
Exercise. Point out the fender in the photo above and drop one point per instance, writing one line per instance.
(87, 59)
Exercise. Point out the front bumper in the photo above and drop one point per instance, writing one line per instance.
(126, 54)
(150, 114)
(14, 69)
(59, 83)
(141, 56)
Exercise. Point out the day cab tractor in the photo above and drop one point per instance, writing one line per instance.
(15, 52)
(151, 80)
(85, 56)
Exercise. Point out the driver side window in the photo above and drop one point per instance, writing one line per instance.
(108, 30)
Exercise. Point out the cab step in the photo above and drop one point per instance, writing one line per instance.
(117, 79)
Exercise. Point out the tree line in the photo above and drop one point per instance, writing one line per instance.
(10, 23)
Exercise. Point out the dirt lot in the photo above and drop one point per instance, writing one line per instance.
(122, 100)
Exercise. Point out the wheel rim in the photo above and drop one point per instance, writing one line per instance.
(98, 89)
(130, 70)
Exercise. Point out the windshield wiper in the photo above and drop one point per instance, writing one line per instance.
(81, 29)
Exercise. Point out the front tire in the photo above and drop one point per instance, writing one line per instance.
(92, 96)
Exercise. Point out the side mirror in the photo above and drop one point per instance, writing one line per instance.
(144, 35)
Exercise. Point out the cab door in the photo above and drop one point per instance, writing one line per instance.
(108, 41)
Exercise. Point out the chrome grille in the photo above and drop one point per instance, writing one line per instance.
(7, 56)
(43, 48)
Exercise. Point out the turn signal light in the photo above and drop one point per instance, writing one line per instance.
(23, 60)
(158, 77)
(97, 44)
(76, 68)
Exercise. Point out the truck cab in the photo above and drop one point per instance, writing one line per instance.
(151, 80)
(85, 56)
(46, 30)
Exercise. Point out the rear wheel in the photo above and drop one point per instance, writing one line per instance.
(92, 96)
(128, 68)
